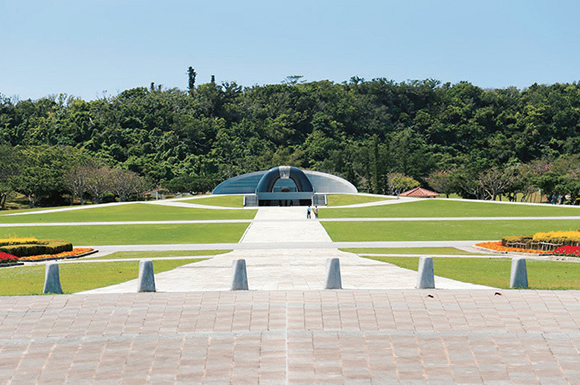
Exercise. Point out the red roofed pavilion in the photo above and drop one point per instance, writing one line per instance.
(419, 192)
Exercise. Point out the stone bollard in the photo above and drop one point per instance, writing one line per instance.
(240, 280)
(426, 276)
(52, 279)
(333, 279)
(146, 281)
(519, 274)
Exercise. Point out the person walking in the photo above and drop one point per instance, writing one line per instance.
(316, 212)
(308, 212)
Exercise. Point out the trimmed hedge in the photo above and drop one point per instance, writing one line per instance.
(48, 246)
(543, 241)
(525, 239)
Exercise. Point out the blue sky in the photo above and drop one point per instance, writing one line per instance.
(88, 47)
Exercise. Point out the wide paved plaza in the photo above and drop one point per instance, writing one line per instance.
(294, 337)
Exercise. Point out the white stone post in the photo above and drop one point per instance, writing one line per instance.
(333, 279)
(146, 281)
(52, 279)
(426, 276)
(240, 279)
(519, 274)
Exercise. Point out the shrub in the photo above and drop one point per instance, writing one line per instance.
(108, 198)
(497, 246)
(53, 246)
(525, 239)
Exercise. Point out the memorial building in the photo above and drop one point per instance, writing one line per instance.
(285, 186)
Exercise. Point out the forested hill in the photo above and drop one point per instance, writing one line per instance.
(362, 130)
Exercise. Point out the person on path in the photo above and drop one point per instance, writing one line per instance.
(316, 212)
(308, 212)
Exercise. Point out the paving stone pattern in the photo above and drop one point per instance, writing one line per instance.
(294, 337)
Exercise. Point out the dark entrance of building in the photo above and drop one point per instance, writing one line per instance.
(284, 186)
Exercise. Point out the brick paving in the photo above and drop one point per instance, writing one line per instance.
(293, 337)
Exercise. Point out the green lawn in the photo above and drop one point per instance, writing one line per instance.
(440, 230)
(495, 272)
(352, 199)
(160, 254)
(411, 250)
(447, 208)
(533, 198)
(134, 234)
(75, 277)
(26, 210)
(218, 200)
(129, 212)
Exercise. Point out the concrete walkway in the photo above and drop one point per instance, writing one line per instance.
(278, 268)
(284, 225)
(283, 269)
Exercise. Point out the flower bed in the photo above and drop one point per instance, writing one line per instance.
(6, 258)
(566, 238)
(75, 253)
(13, 240)
(496, 246)
(568, 251)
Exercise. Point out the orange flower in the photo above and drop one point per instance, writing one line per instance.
(498, 247)
(65, 254)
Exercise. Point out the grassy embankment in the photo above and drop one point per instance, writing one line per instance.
(352, 199)
(76, 277)
(218, 200)
(429, 230)
(542, 275)
(412, 250)
(440, 230)
(128, 212)
(117, 234)
(438, 208)
(339, 231)
(85, 276)
(135, 234)
(485, 271)
(158, 254)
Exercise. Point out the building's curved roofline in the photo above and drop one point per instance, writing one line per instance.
(247, 183)
(336, 178)
(227, 182)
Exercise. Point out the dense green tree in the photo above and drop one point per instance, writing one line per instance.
(10, 169)
(363, 129)
(191, 80)
(42, 170)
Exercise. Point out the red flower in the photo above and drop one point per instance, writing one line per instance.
(7, 258)
(572, 251)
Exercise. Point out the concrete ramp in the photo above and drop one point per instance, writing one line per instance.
(283, 268)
